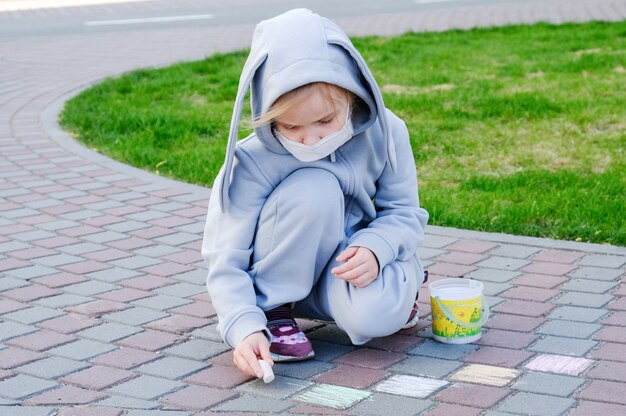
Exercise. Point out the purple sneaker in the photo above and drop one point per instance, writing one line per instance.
(288, 342)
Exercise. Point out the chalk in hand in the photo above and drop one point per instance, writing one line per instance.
(268, 374)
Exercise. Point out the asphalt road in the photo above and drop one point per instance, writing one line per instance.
(159, 14)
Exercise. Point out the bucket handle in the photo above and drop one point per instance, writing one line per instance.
(470, 325)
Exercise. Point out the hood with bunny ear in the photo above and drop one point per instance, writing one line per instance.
(293, 49)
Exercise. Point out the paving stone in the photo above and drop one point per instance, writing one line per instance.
(171, 367)
(82, 248)
(609, 351)
(10, 330)
(147, 282)
(177, 324)
(461, 257)
(125, 358)
(619, 304)
(146, 387)
(31, 272)
(135, 316)
(431, 348)
(577, 313)
(558, 256)
(590, 300)
(135, 262)
(66, 395)
(493, 275)
(565, 346)
(569, 329)
(32, 315)
(197, 349)
(63, 301)
(588, 286)
(539, 280)
(68, 323)
(524, 307)
(59, 279)
(109, 332)
(608, 370)
(616, 318)
(507, 321)
(350, 376)
(367, 357)
(602, 260)
(200, 398)
(27, 411)
(30, 293)
(426, 366)
(332, 396)
(302, 370)
(196, 308)
(330, 334)
(411, 386)
(475, 395)
(8, 282)
(40, 341)
(151, 340)
(554, 269)
(130, 403)
(280, 388)
(89, 411)
(495, 289)
(113, 275)
(89, 288)
(58, 260)
(445, 409)
(255, 404)
(550, 384)
(181, 290)
(161, 302)
(436, 241)
(98, 377)
(218, 376)
(451, 269)
(514, 250)
(611, 334)
(51, 368)
(561, 364)
(587, 408)
(498, 356)
(485, 374)
(504, 263)
(506, 339)
(597, 273)
(536, 404)
(81, 350)
(22, 386)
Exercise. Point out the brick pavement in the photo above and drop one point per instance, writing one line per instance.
(103, 309)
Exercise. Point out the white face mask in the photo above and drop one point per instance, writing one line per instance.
(321, 149)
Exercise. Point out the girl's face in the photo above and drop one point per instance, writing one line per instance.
(312, 118)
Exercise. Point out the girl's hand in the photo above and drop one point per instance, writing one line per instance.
(248, 352)
(360, 269)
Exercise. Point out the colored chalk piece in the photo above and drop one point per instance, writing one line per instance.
(486, 374)
(419, 387)
(333, 396)
(561, 364)
(268, 374)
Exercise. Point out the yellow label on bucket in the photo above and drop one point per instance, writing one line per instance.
(466, 310)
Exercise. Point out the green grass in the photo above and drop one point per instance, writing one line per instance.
(520, 129)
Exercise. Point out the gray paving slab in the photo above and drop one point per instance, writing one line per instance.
(123, 402)
(255, 404)
(569, 329)
(83, 349)
(135, 316)
(427, 367)
(280, 388)
(493, 275)
(536, 404)
(597, 273)
(577, 313)
(22, 386)
(563, 346)
(114, 274)
(146, 387)
(304, 370)
(63, 301)
(171, 368)
(590, 300)
(31, 272)
(381, 404)
(109, 332)
(550, 384)
(8, 282)
(600, 260)
(181, 290)
(431, 348)
(198, 349)
(32, 315)
(161, 302)
(27, 411)
(588, 286)
(51, 368)
(90, 288)
(10, 330)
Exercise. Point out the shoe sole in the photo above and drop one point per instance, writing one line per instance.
(412, 322)
(287, 358)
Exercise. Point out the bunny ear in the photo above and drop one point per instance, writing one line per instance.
(254, 61)
(378, 97)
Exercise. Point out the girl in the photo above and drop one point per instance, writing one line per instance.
(316, 213)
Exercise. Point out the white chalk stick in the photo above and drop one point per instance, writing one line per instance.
(268, 374)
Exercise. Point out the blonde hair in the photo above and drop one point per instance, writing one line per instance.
(331, 93)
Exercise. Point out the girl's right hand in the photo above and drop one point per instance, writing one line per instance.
(246, 355)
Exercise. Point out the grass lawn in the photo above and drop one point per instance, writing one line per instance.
(520, 129)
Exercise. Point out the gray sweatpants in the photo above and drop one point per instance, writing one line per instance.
(283, 274)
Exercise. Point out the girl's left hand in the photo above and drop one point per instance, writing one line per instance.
(360, 269)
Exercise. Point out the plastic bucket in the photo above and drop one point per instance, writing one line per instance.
(459, 310)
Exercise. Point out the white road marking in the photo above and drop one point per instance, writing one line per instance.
(18, 5)
(149, 20)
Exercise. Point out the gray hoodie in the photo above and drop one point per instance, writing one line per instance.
(375, 169)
